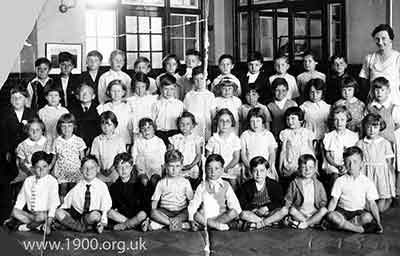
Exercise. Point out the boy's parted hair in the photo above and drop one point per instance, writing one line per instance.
(41, 61)
(89, 158)
(167, 79)
(380, 82)
(256, 112)
(122, 158)
(108, 115)
(255, 56)
(19, 88)
(197, 70)
(67, 118)
(140, 77)
(146, 120)
(215, 158)
(279, 81)
(83, 85)
(228, 82)
(349, 82)
(335, 57)
(318, 84)
(66, 56)
(336, 110)
(373, 119)
(141, 59)
(225, 56)
(186, 114)
(259, 160)
(312, 54)
(116, 82)
(194, 52)
(41, 155)
(352, 151)
(224, 111)
(53, 88)
(168, 57)
(115, 53)
(95, 53)
(173, 155)
(303, 159)
(295, 111)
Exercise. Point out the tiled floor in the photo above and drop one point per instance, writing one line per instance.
(267, 242)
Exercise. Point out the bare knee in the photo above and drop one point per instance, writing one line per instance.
(323, 211)
(93, 217)
(335, 218)
(232, 213)
(60, 214)
(244, 215)
(284, 210)
(292, 210)
(366, 217)
(141, 215)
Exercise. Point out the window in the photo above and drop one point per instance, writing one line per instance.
(243, 35)
(144, 2)
(184, 33)
(185, 3)
(101, 32)
(144, 38)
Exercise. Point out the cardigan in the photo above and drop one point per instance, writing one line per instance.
(275, 192)
(295, 194)
(261, 85)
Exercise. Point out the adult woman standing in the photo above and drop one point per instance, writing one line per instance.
(385, 61)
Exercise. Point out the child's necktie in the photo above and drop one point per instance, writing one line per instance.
(86, 205)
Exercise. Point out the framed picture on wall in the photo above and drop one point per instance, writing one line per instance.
(53, 49)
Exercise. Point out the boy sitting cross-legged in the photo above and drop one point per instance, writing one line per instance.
(171, 196)
(219, 204)
(352, 194)
(88, 203)
(128, 196)
(260, 197)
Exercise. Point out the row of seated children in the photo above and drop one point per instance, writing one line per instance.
(148, 149)
(261, 203)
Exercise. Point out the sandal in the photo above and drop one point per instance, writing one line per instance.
(175, 226)
(249, 226)
(294, 224)
(145, 225)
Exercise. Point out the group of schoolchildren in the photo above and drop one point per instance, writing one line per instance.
(111, 151)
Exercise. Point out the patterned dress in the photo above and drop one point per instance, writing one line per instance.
(357, 110)
(68, 163)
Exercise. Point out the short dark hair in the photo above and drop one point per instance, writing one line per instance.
(215, 158)
(41, 155)
(19, 88)
(318, 84)
(336, 110)
(124, 158)
(146, 120)
(373, 119)
(167, 79)
(173, 155)
(296, 111)
(115, 82)
(349, 81)
(258, 160)
(256, 112)
(224, 111)
(108, 115)
(312, 54)
(88, 158)
(305, 158)
(197, 70)
(66, 56)
(193, 52)
(383, 27)
(168, 57)
(380, 82)
(41, 61)
(66, 118)
(279, 81)
(335, 57)
(225, 56)
(140, 77)
(186, 114)
(255, 56)
(95, 53)
(141, 59)
(53, 88)
(354, 150)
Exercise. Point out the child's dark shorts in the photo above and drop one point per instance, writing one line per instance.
(348, 215)
(172, 214)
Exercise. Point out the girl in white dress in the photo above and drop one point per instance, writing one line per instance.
(117, 90)
(189, 144)
(258, 141)
(227, 144)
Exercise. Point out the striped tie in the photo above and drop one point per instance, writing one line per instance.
(86, 205)
(33, 196)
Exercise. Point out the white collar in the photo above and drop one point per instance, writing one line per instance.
(36, 79)
(385, 104)
(59, 106)
(40, 142)
(377, 140)
(281, 104)
(250, 74)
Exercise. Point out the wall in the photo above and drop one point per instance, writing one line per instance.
(361, 17)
